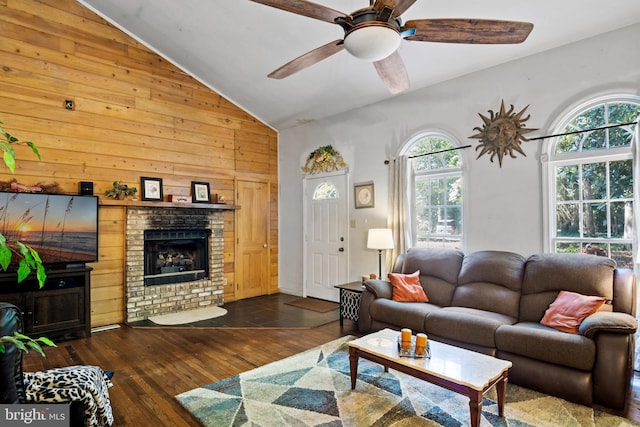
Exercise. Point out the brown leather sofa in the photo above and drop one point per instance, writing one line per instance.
(492, 302)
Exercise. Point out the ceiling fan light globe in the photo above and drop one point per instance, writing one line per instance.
(372, 43)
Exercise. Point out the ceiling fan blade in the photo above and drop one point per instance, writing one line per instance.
(308, 59)
(304, 8)
(398, 6)
(470, 31)
(393, 73)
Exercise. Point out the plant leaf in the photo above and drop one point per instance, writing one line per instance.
(5, 256)
(46, 341)
(23, 271)
(34, 345)
(15, 341)
(10, 161)
(41, 274)
(23, 342)
(34, 254)
(34, 148)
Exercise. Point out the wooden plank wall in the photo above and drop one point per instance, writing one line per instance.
(135, 115)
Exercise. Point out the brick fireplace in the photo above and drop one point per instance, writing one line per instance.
(143, 301)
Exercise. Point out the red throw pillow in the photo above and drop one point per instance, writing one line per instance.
(569, 309)
(407, 288)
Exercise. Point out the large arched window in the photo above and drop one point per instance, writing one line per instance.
(590, 175)
(436, 191)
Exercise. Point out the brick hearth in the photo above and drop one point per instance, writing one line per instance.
(144, 301)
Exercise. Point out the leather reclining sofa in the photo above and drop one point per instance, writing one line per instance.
(492, 302)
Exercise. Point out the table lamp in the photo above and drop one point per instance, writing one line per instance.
(380, 238)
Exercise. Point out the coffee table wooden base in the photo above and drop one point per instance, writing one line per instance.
(475, 396)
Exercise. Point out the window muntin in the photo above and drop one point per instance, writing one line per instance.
(437, 192)
(592, 174)
(605, 114)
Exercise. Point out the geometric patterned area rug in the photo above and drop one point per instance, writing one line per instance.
(313, 388)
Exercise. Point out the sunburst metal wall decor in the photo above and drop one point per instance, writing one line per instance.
(502, 133)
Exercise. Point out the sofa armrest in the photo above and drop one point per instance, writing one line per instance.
(379, 288)
(614, 322)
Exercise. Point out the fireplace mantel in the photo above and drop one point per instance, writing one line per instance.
(140, 203)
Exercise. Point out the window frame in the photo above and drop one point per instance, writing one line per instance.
(443, 173)
(551, 161)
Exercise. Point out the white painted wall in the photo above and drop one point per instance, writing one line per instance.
(503, 206)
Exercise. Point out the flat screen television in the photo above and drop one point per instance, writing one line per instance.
(62, 228)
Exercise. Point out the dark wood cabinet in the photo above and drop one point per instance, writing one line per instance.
(59, 310)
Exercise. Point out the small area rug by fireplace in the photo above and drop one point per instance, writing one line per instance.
(313, 388)
(314, 304)
(188, 316)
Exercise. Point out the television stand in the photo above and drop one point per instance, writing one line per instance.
(59, 310)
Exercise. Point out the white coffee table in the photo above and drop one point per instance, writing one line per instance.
(462, 371)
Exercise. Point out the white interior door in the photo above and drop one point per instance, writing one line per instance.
(326, 240)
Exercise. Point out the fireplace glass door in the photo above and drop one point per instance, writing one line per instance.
(175, 256)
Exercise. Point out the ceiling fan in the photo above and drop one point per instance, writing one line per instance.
(374, 34)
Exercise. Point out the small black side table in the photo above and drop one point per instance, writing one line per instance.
(350, 294)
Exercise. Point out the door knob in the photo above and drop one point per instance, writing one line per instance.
(264, 246)
(341, 249)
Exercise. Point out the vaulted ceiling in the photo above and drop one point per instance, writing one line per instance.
(231, 46)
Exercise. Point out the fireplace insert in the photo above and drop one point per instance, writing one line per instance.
(175, 256)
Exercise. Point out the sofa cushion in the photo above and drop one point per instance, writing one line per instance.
(547, 274)
(407, 287)
(540, 342)
(401, 314)
(467, 325)
(569, 309)
(487, 277)
(439, 270)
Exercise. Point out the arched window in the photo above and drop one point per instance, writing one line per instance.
(436, 191)
(325, 190)
(590, 175)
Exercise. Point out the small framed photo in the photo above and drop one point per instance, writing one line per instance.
(363, 195)
(151, 189)
(200, 192)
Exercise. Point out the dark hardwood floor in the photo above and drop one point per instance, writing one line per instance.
(152, 365)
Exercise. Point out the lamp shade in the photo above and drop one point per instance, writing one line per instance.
(372, 42)
(380, 238)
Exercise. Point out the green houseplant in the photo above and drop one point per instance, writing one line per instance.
(29, 258)
(120, 191)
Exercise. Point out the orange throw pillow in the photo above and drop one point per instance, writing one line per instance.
(407, 288)
(569, 309)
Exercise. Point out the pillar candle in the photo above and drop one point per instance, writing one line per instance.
(405, 338)
(421, 344)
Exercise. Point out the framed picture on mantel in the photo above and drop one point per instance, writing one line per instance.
(151, 189)
(200, 192)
